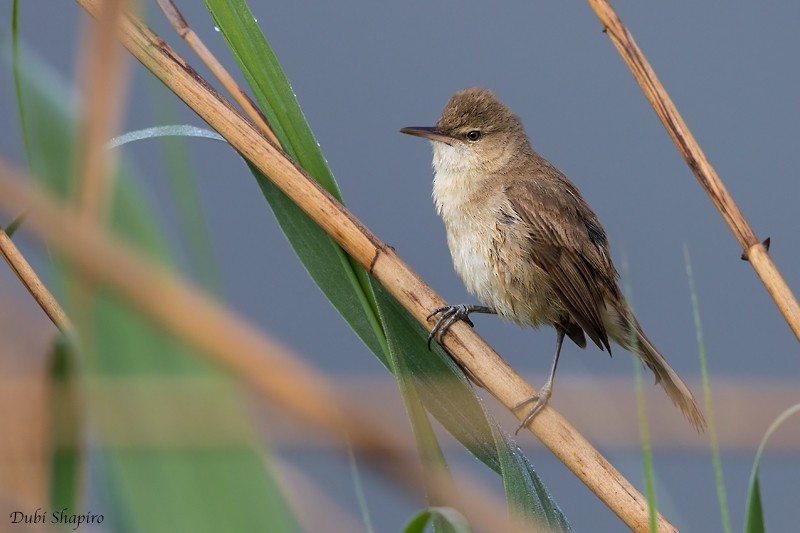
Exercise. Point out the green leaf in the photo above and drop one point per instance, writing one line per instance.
(339, 277)
(15, 67)
(754, 512)
(528, 498)
(359, 491)
(454, 519)
(172, 447)
(346, 284)
(427, 444)
(15, 224)
(66, 427)
(712, 427)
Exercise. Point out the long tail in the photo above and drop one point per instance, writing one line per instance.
(634, 340)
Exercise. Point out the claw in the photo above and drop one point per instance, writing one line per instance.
(450, 315)
(541, 400)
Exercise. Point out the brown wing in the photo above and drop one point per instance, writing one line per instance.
(567, 241)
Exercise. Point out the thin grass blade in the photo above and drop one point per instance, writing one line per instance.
(15, 68)
(712, 428)
(644, 432)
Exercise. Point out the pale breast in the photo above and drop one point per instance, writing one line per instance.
(488, 251)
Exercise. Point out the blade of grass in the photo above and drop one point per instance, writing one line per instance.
(15, 68)
(361, 498)
(641, 404)
(15, 224)
(709, 407)
(754, 511)
(175, 130)
(273, 92)
(647, 451)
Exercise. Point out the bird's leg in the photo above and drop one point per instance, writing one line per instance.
(450, 315)
(545, 392)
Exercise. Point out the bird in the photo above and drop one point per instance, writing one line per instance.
(526, 243)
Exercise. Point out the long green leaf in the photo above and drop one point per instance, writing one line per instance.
(346, 284)
(427, 444)
(146, 484)
(333, 270)
(754, 511)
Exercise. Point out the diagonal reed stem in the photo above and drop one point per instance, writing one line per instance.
(104, 80)
(385, 265)
(755, 251)
(33, 283)
(178, 22)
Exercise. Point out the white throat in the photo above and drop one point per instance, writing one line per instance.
(457, 172)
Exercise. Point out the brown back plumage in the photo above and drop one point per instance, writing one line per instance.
(568, 242)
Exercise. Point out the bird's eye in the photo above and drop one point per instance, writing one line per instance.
(474, 135)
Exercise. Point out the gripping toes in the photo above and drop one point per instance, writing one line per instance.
(450, 314)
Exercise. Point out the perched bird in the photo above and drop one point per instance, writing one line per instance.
(526, 243)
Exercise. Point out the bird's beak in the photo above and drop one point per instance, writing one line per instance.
(432, 134)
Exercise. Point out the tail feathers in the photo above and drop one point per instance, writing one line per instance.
(676, 389)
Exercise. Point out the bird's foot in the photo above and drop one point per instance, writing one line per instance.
(450, 315)
(539, 401)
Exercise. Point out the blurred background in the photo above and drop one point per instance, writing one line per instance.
(361, 71)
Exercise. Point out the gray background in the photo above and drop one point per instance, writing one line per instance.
(362, 70)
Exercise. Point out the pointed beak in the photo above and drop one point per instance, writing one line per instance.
(432, 134)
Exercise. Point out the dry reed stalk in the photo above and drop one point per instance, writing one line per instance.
(104, 81)
(33, 283)
(385, 265)
(755, 251)
(241, 348)
(183, 29)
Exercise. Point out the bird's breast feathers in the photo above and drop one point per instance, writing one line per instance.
(488, 250)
